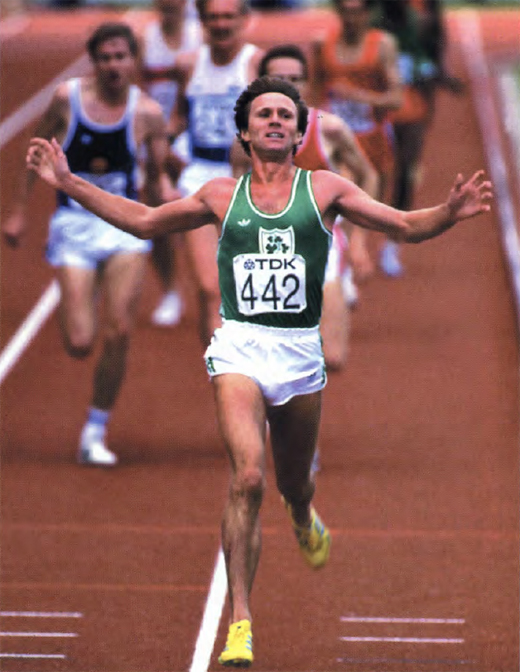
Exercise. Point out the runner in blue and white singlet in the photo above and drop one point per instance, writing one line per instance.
(102, 121)
(104, 154)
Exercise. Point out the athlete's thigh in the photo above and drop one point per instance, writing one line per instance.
(201, 246)
(294, 433)
(334, 324)
(123, 277)
(77, 308)
(241, 416)
(410, 140)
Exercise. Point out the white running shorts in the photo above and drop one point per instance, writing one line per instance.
(282, 362)
(199, 171)
(78, 238)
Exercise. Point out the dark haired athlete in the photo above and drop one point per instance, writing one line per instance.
(101, 121)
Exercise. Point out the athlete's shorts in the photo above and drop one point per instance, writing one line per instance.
(78, 238)
(282, 362)
(414, 109)
(194, 176)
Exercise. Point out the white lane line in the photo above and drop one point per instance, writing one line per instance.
(404, 640)
(30, 110)
(41, 614)
(385, 619)
(29, 328)
(38, 634)
(211, 618)
(44, 656)
(473, 52)
(511, 107)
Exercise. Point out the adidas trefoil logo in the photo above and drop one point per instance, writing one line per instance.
(244, 222)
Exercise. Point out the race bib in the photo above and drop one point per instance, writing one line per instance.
(269, 283)
(212, 120)
(357, 115)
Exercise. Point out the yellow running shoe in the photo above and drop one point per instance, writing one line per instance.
(314, 540)
(238, 651)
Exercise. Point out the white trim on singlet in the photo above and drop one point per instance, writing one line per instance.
(77, 113)
(315, 204)
(289, 205)
(230, 206)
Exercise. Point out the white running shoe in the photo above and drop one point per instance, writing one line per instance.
(389, 260)
(169, 311)
(92, 450)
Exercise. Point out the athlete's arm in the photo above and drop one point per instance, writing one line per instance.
(53, 123)
(351, 162)
(206, 206)
(157, 187)
(178, 121)
(348, 156)
(392, 98)
(335, 195)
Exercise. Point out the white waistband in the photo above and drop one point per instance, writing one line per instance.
(271, 332)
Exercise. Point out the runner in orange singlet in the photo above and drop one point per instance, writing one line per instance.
(358, 65)
(418, 28)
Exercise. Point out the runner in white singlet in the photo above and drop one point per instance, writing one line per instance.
(213, 77)
(171, 33)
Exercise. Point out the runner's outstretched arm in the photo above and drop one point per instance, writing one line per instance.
(48, 160)
(467, 198)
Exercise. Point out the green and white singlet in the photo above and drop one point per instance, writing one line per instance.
(272, 266)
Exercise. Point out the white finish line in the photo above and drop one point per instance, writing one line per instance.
(34, 656)
(403, 640)
(41, 614)
(38, 634)
(388, 619)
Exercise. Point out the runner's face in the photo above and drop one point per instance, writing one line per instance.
(290, 70)
(354, 15)
(273, 126)
(224, 23)
(170, 9)
(114, 64)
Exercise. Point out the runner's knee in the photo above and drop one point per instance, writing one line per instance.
(249, 484)
(77, 346)
(335, 358)
(117, 338)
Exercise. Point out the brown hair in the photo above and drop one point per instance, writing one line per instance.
(109, 30)
(283, 51)
(257, 88)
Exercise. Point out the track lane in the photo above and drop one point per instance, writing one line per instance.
(403, 491)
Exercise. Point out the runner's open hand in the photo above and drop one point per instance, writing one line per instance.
(470, 198)
(48, 160)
